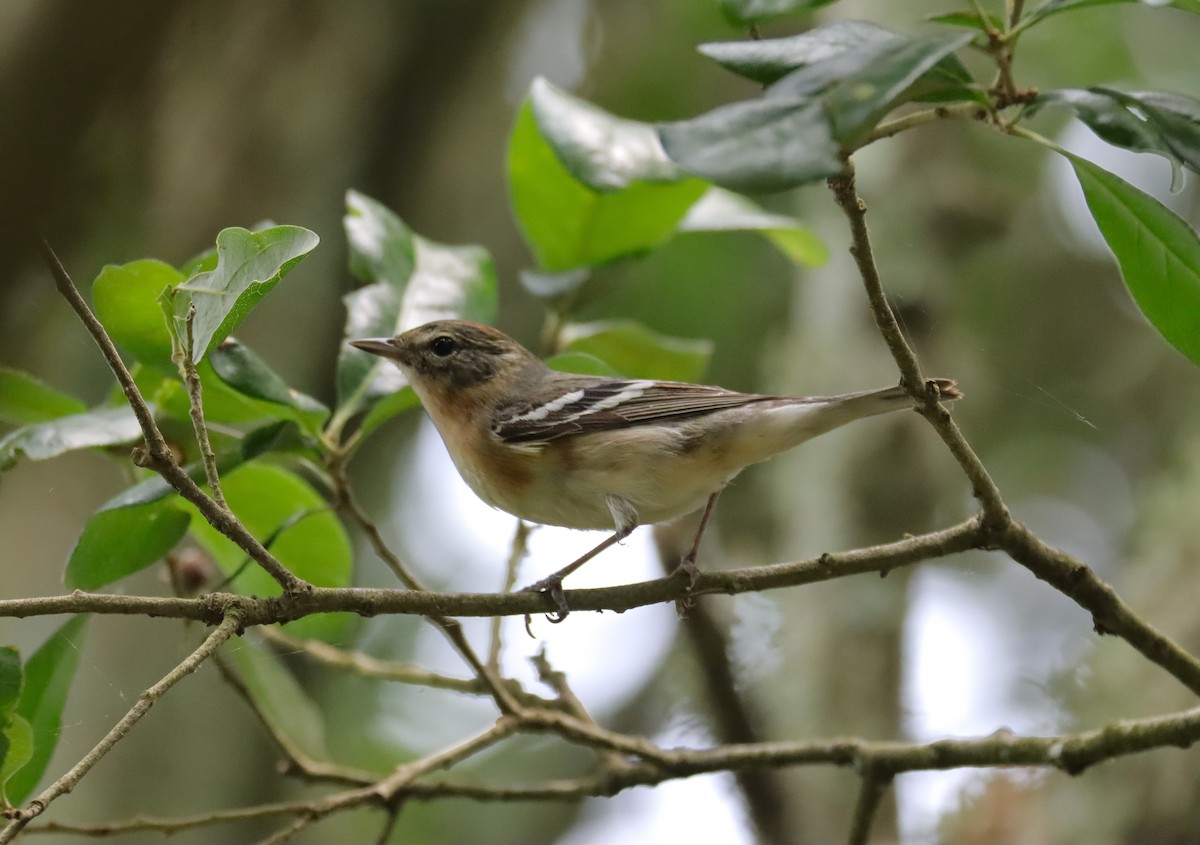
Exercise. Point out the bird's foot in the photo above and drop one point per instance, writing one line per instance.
(687, 569)
(552, 587)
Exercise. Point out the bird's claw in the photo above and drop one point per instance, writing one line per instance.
(552, 587)
(687, 569)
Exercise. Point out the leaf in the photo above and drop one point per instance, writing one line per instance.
(723, 211)
(1159, 253)
(126, 302)
(1053, 7)
(746, 12)
(569, 224)
(315, 547)
(413, 281)
(281, 436)
(636, 351)
(10, 680)
(25, 400)
(553, 285)
(859, 99)
(834, 97)
(281, 700)
(1148, 121)
(969, 20)
(583, 364)
(18, 737)
(853, 44)
(119, 542)
(48, 675)
(601, 150)
(249, 265)
(243, 370)
(757, 145)
(101, 427)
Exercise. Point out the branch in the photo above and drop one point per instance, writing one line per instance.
(870, 794)
(374, 602)
(1054, 566)
(187, 367)
(229, 626)
(157, 454)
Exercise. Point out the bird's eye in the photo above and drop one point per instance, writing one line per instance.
(443, 345)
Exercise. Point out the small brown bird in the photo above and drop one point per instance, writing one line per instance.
(592, 452)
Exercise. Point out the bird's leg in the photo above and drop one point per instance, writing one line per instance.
(625, 518)
(687, 565)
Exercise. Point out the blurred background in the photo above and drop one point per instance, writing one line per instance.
(140, 129)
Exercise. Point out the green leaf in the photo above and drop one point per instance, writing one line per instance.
(748, 12)
(312, 543)
(830, 53)
(603, 151)
(18, 737)
(554, 285)
(413, 281)
(636, 351)
(25, 400)
(879, 79)
(126, 302)
(969, 20)
(569, 224)
(249, 265)
(48, 675)
(10, 680)
(119, 542)
(757, 145)
(583, 364)
(1053, 7)
(101, 427)
(1147, 121)
(279, 436)
(243, 370)
(723, 211)
(1158, 252)
(281, 700)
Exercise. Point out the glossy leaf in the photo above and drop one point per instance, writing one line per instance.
(746, 12)
(412, 281)
(553, 285)
(101, 427)
(969, 20)
(10, 680)
(599, 149)
(757, 145)
(243, 370)
(887, 78)
(830, 52)
(1149, 121)
(1054, 7)
(121, 541)
(569, 224)
(636, 351)
(16, 738)
(583, 364)
(25, 400)
(1159, 253)
(723, 211)
(48, 675)
(281, 700)
(126, 302)
(281, 436)
(249, 265)
(312, 543)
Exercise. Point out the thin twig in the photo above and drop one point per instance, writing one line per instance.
(517, 552)
(191, 378)
(157, 454)
(228, 627)
(874, 786)
(887, 129)
(452, 628)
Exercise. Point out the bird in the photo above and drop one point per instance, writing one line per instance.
(599, 452)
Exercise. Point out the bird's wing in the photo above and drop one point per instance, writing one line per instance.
(590, 403)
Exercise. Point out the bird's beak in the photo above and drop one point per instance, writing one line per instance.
(381, 346)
